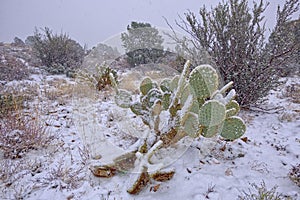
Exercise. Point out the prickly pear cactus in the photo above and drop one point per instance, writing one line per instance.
(190, 105)
(204, 81)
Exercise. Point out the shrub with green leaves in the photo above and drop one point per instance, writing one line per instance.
(189, 105)
(59, 53)
(233, 34)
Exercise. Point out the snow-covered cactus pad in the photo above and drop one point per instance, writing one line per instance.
(194, 102)
(187, 105)
(204, 81)
(212, 113)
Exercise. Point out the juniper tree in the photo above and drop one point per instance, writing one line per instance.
(143, 43)
(58, 52)
(234, 36)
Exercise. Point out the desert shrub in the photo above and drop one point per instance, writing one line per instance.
(290, 30)
(106, 77)
(12, 68)
(144, 56)
(292, 92)
(143, 43)
(58, 53)
(262, 193)
(102, 77)
(234, 36)
(20, 133)
(9, 103)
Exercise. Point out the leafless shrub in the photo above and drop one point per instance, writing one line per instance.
(20, 133)
(12, 68)
(11, 174)
(12, 170)
(64, 175)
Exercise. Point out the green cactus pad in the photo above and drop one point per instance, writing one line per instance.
(174, 83)
(185, 94)
(233, 128)
(166, 101)
(146, 85)
(204, 81)
(191, 125)
(152, 96)
(137, 108)
(212, 113)
(232, 108)
(165, 85)
(123, 99)
(209, 132)
(195, 107)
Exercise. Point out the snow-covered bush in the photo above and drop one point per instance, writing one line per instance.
(12, 68)
(103, 76)
(58, 53)
(9, 103)
(189, 105)
(234, 36)
(20, 133)
(262, 193)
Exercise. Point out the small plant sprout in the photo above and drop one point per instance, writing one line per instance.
(189, 105)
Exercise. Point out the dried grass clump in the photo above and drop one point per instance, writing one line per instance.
(16, 96)
(12, 68)
(293, 92)
(295, 174)
(20, 133)
(59, 90)
(262, 193)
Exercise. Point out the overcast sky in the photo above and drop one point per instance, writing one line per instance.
(92, 21)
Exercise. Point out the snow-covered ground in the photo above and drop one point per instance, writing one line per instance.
(90, 130)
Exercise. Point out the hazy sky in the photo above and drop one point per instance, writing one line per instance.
(92, 21)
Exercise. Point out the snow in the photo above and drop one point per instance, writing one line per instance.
(92, 130)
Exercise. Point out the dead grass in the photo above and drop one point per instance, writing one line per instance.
(11, 172)
(58, 90)
(20, 133)
(292, 92)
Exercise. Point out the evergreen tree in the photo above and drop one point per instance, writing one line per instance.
(143, 43)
